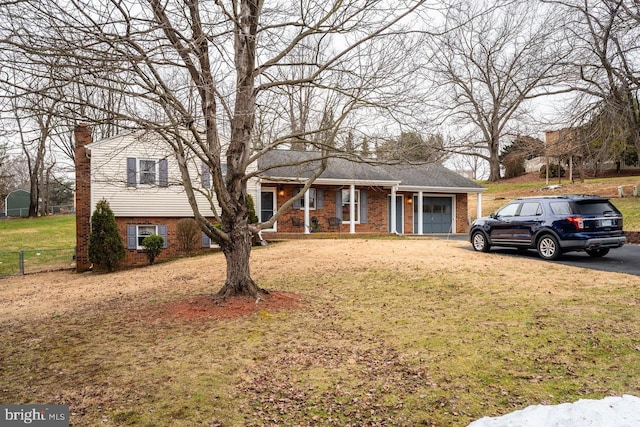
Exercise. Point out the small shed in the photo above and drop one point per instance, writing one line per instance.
(16, 203)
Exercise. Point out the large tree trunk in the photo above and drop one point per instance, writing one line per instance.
(494, 161)
(33, 195)
(237, 248)
(237, 252)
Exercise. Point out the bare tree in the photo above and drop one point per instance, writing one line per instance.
(472, 166)
(205, 66)
(605, 36)
(488, 62)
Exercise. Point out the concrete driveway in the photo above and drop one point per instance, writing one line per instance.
(621, 260)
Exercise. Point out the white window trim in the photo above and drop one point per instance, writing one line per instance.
(357, 207)
(138, 246)
(156, 172)
(315, 199)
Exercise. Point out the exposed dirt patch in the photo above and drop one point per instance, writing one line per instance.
(207, 307)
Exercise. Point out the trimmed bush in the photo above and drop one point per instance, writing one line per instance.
(188, 235)
(152, 246)
(514, 165)
(105, 243)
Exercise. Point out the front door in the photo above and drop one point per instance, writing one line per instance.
(267, 205)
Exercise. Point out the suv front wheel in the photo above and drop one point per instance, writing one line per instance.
(479, 242)
(548, 247)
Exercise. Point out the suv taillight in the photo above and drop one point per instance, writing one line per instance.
(577, 221)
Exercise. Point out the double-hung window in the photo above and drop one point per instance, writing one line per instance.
(346, 206)
(145, 231)
(206, 174)
(312, 199)
(316, 199)
(148, 171)
(137, 233)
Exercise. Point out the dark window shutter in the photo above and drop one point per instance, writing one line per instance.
(363, 207)
(319, 199)
(206, 176)
(163, 171)
(296, 204)
(132, 237)
(339, 204)
(206, 240)
(131, 172)
(162, 232)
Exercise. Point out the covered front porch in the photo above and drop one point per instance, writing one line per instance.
(328, 209)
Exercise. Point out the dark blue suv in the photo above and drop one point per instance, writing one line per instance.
(552, 225)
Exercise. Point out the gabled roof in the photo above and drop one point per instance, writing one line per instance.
(290, 165)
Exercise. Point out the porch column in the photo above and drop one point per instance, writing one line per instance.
(420, 212)
(307, 228)
(393, 210)
(479, 206)
(352, 208)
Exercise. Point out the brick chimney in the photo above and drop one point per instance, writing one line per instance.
(82, 133)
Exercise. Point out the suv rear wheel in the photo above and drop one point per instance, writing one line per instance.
(479, 241)
(548, 247)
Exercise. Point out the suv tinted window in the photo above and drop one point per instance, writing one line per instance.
(530, 209)
(596, 208)
(561, 208)
(509, 210)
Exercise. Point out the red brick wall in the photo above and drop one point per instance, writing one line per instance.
(82, 134)
(377, 211)
(134, 257)
(408, 213)
(462, 220)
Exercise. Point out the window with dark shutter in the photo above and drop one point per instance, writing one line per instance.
(131, 172)
(163, 173)
(206, 175)
(147, 172)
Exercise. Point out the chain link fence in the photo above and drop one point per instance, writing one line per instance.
(13, 263)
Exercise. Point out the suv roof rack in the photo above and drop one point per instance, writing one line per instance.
(565, 196)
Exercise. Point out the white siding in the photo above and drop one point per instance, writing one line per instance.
(109, 180)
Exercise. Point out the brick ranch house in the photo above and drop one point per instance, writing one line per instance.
(140, 180)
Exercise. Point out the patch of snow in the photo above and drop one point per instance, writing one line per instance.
(623, 411)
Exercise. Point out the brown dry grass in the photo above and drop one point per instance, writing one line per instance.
(390, 332)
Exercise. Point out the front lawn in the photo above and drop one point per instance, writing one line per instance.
(390, 332)
(47, 232)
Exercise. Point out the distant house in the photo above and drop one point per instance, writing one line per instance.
(16, 203)
(141, 181)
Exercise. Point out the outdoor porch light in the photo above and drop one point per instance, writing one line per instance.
(410, 200)
(280, 190)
